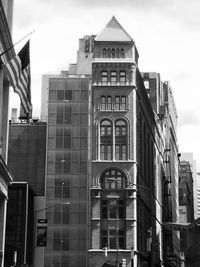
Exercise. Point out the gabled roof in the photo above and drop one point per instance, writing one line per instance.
(113, 32)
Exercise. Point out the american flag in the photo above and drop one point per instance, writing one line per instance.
(18, 72)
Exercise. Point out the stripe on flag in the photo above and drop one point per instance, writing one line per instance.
(18, 72)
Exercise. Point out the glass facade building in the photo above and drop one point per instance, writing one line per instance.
(66, 172)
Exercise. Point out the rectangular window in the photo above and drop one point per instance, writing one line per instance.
(109, 153)
(117, 152)
(124, 153)
(113, 78)
(104, 238)
(113, 209)
(60, 95)
(104, 77)
(105, 152)
(102, 152)
(68, 94)
(59, 114)
(122, 77)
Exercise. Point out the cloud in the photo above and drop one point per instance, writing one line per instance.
(188, 118)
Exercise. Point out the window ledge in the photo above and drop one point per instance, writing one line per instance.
(109, 250)
(112, 85)
(114, 161)
(115, 110)
(95, 219)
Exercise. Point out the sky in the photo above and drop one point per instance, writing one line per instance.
(166, 33)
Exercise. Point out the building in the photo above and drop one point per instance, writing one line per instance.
(5, 176)
(27, 143)
(186, 208)
(121, 177)
(112, 153)
(19, 247)
(186, 200)
(166, 164)
(190, 158)
(67, 171)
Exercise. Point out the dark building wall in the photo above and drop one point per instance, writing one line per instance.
(27, 154)
(19, 224)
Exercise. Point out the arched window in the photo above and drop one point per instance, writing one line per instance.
(113, 53)
(117, 103)
(108, 53)
(104, 53)
(113, 179)
(122, 53)
(120, 103)
(109, 102)
(113, 212)
(105, 140)
(123, 103)
(117, 53)
(103, 103)
(106, 103)
(121, 137)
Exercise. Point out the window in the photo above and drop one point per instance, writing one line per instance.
(122, 77)
(87, 45)
(103, 103)
(113, 209)
(104, 53)
(117, 103)
(123, 103)
(117, 53)
(113, 78)
(105, 140)
(113, 179)
(109, 102)
(106, 103)
(122, 53)
(113, 53)
(104, 77)
(120, 140)
(120, 103)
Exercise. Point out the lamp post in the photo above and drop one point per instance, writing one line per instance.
(51, 206)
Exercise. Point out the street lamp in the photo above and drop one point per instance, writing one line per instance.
(41, 229)
(57, 204)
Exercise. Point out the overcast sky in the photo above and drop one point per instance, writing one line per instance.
(166, 33)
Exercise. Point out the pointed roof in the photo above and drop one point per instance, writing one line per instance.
(113, 32)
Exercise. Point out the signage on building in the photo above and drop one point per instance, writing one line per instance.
(42, 233)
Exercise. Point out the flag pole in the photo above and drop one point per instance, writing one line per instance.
(16, 43)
